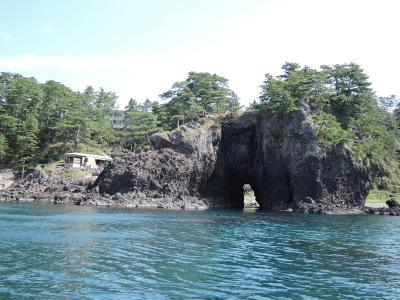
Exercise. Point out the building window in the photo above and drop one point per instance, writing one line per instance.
(77, 160)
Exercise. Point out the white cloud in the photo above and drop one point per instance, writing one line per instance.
(139, 76)
(309, 32)
(47, 28)
(5, 35)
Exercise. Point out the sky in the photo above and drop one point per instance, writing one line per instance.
(138, 49)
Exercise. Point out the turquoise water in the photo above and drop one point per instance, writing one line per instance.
(68, 252)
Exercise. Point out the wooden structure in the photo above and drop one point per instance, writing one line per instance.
(85, 160)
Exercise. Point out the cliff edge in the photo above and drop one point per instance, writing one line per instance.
(207, 166)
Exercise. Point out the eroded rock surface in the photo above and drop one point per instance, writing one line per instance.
(281, 160)
(174, 174)
(51, 188)
(203, 165)
(278, 156)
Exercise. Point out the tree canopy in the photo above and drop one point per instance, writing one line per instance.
(200, 94)
(345, 110)
(40, 122)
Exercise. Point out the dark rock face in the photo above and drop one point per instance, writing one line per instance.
(278, 156)
(149, 172)
(174, 174)
(393, 203)
(281, 160)
(202, 166)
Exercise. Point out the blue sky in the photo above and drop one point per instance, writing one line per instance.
(120, 27)
(139, 48)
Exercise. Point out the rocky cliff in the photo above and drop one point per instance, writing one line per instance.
(207, 166)
(174, 173)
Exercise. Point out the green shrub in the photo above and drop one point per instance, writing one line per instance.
(380, 196)
(329, 132)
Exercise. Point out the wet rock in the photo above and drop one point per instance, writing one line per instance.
(310, 207)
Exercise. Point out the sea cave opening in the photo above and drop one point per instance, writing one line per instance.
(240, 192)
(249, 197)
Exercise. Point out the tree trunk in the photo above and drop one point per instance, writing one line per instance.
(77, 138)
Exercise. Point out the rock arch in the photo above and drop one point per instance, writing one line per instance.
(277, 155)
(280, 158)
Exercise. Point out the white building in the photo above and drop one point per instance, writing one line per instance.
(85, 160)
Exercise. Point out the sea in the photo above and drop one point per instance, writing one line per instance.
(69, 252)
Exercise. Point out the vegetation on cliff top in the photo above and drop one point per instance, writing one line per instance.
(344, 110)
(200, 94)
(40, 122)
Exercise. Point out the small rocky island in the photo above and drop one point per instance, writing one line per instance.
(206, 164)
(315, 141)
(278, 156)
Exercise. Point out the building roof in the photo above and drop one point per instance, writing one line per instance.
(103, 157)
(118, 111)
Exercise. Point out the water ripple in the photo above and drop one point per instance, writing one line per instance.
(71, 252)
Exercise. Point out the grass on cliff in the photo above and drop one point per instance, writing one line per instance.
(380, 197)
(58, 169)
